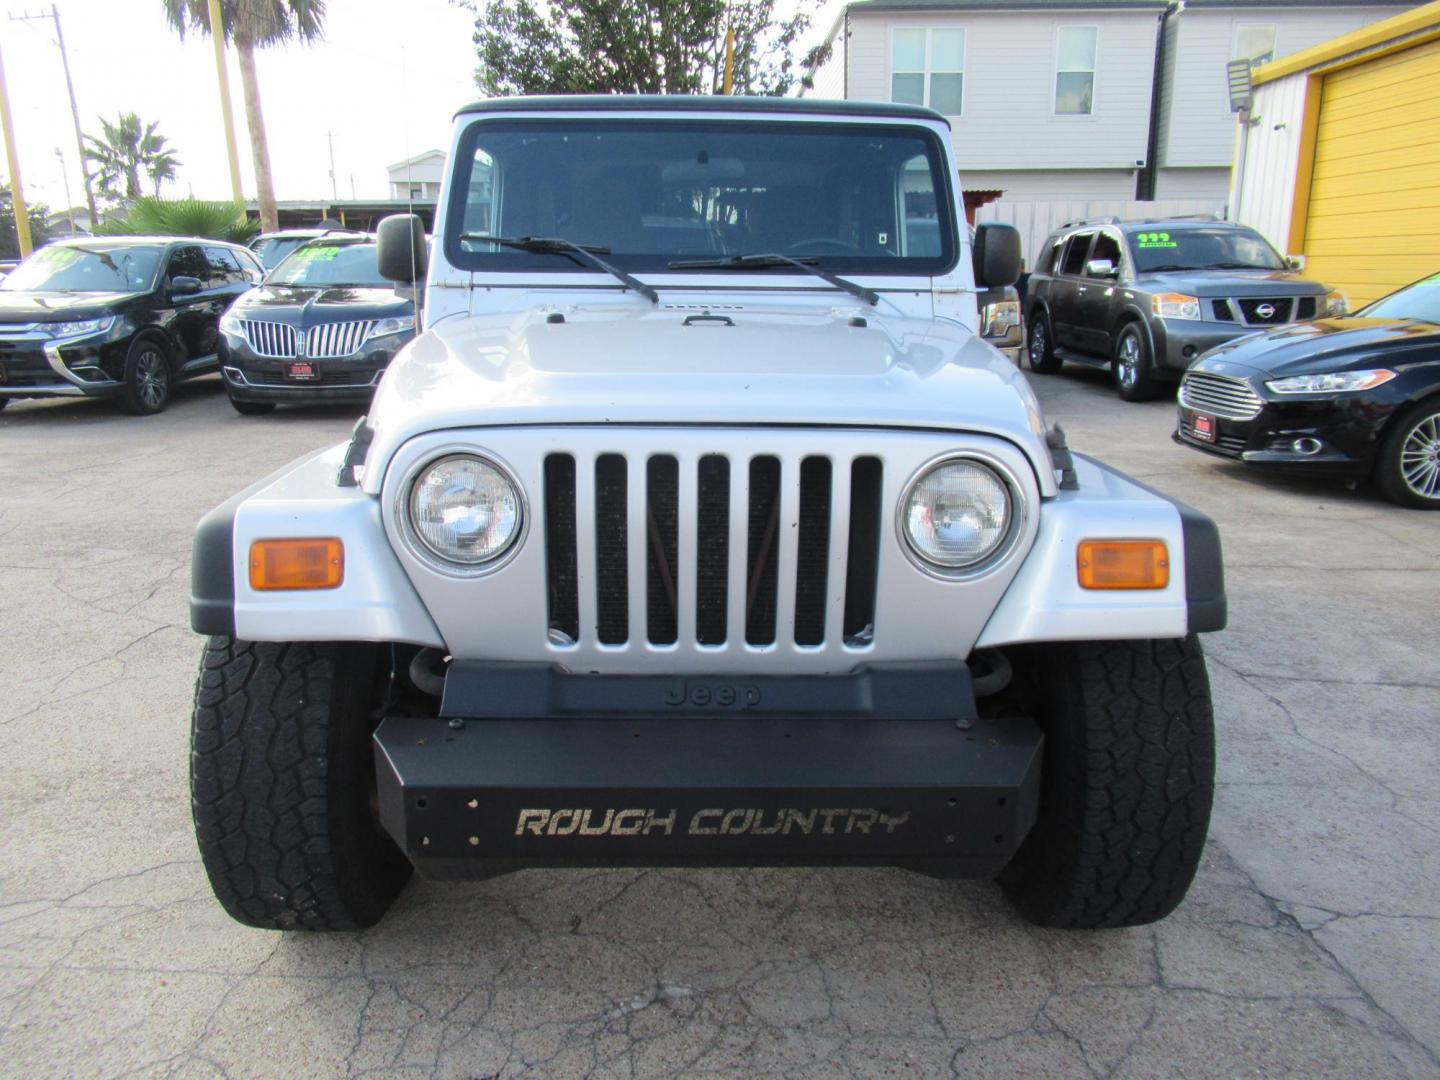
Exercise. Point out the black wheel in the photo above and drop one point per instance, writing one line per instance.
(1408, 465)
(1041, 347)
(1127, 780)
(1132, 365)
(252, 408)
(147, 378)
(281, 776)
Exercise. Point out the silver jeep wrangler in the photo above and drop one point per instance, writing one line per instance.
(700, 527)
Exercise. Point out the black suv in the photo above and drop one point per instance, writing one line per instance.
(123, 317)
(1146, 298)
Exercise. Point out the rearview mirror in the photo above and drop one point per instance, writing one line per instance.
(183, 285)
(1101, 268)
(996, 254)
(400, 249)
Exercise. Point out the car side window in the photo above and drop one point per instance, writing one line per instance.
(1106, 247)
(1075, 253)
(189, 261)
(224, 270)
(1046, 262)
(250, 267)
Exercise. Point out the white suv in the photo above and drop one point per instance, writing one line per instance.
(700, 527)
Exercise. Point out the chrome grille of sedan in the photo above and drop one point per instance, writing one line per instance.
(269, 338)
(1220, 396)
(337, 339)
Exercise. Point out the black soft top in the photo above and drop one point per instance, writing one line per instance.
(700, 103)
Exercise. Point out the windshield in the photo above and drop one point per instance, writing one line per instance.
(851, 197)
(1418, 301)
(1203, 249)
(93, 268)
(319, 263)
(270, 250)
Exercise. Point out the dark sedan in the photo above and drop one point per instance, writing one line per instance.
(121, 317)
(322, 328)
(1347, 397)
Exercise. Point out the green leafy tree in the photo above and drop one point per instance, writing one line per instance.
(152, 216)
(647, 47)
(9, 242)
(126, 152)
(251, 25)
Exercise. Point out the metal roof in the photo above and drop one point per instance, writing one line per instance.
(700, 103)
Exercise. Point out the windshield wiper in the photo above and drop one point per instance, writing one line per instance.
(583, 253)
(772, 259)
(1167, 266)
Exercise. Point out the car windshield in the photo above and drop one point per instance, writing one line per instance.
(91, 268)
(271, 250)
(319, 263)
(1418, 301)
(861, 197)
(1192, 248)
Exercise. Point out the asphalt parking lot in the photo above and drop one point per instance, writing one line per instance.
(1309, 946)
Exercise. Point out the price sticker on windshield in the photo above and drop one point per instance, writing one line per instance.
(317, 254)
(1155, 240)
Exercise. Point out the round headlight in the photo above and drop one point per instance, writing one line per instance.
(465, 510)
(957, 514)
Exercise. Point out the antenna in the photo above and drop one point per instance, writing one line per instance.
(334, 189)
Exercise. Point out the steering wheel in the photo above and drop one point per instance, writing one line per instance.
(821, 244)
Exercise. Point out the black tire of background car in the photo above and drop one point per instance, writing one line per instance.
(1388, 472)
(148, 378)
(281, 772)
(1127, 782)
(1143, 388)
(3, 402)
(252, 408)
(1042, 340)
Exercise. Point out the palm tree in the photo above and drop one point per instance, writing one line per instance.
(126, 150)
(251, 25)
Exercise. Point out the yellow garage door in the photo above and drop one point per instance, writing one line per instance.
(1374, 218)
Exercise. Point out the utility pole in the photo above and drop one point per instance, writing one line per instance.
(17, 189)
(729, 59)
(217, 35)
(334, 187)
(74, 109)
(69, 202)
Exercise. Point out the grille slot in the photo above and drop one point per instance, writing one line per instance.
(1220, 395)
(1223, 310)
(333, 340)
(1278, 311)
(710, 550)
(326, 378)
(1305, 308)
(273, 339)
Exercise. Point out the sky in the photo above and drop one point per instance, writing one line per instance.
(386, 80)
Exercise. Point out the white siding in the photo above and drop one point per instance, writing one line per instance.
(1197, 127)
(1267, 191)
(1038, 219)
(1198, 183)
(1051, 183)
(1009, 94)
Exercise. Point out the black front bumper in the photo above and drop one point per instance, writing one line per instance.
(950, 795)
(250, 377)
(1347, 430)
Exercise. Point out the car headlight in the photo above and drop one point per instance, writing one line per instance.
(230, 323)
(996, 320)
(1337, 382)
(1175, 306)
(1336, 303)
(957, 514)
(81, 327)
(386, 327)
(465, 510)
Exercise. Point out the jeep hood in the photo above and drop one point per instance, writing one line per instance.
(684, 364)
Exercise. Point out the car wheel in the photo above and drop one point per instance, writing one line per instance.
(281, 779)
(1041, 346)
(1126, 782)
(147, 378)
(1408, 466)
(1131, 366)
(252, 408)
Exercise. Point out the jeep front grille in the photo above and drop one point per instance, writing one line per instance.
(329, 341)
(619, 523)
(1219, 395)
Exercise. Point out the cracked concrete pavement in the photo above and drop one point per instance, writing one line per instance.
(1309, 946)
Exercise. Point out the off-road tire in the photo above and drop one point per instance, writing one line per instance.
(1413, 434)
(148, 379)
(1040, 345)
(1143, 386)
(1126, 784)
(281, 774)
(251, 408)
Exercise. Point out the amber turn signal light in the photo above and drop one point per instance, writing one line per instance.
(1123, 564)
(317, 563)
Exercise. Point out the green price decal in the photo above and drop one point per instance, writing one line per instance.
(317, 254)
(1155, 240)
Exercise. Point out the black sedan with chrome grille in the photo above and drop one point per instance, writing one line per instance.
(1346, 397)
(322, 328)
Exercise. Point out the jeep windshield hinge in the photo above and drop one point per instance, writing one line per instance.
(1060, 458)
(361, 435)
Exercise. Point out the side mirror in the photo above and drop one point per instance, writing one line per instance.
(183, 285)
(1101, 268)
(400, 249)
(1295, 262)
(996, 254)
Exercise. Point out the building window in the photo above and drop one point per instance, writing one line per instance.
(1255, 43)
(1075, 70)
(927, 67)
